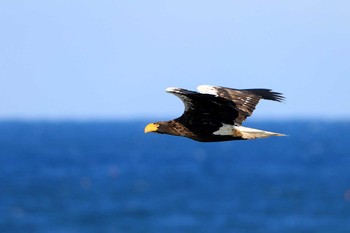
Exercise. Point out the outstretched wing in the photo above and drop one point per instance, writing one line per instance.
(203, 109)
(244, 99)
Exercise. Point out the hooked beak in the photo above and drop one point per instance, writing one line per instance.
(152, 127)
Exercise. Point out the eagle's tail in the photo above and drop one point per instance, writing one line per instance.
(250, 133)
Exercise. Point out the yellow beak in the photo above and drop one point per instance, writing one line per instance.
(151, 128)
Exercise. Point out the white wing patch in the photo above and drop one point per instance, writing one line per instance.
(225, 130)
(207, 89)
(172, 89)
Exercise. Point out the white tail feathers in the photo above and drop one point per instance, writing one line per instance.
(244, 132)
(250, 133)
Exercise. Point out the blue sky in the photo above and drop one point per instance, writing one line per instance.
(113, 59)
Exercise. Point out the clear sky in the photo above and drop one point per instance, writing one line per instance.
(113, 59)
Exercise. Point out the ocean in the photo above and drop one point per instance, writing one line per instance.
(71, 176)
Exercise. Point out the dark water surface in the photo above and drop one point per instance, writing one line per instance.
(111, 177)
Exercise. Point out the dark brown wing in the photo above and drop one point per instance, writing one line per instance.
(244, 99)
(204, 113)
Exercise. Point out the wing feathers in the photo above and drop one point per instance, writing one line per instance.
(183, 94)
(266, 94)
(243, 100)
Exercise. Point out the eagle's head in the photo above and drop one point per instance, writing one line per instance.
(157, 127)
(166, 127)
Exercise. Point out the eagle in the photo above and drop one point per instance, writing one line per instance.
(216, 114)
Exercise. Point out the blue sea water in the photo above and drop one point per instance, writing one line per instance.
(111, 177)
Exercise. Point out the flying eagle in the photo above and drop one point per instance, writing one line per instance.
(216, 114)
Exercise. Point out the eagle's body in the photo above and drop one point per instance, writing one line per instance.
(215, 114)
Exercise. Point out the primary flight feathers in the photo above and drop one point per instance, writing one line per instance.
(215, 114)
